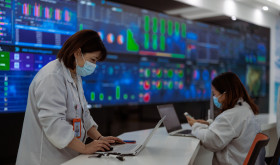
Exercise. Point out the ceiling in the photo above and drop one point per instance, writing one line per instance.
(273, 5)
(155, 5)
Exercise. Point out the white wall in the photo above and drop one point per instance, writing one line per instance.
(276, 64)
(256, 16)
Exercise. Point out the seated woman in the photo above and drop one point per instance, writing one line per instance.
(232, 133)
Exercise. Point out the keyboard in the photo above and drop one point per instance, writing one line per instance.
(188, 131)
(125, 147)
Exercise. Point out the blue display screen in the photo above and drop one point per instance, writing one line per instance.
(16, 73)
(153, 58)
(161, 80)
(162, 34)
(6, 22)
(15, 89)
(113, 83)
(44, 24)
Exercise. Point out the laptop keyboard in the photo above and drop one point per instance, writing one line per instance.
(124, 148)
(188, 131)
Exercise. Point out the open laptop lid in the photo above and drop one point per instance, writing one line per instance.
(171, 122)
(140, 146)
(153, 131)
(143, 145)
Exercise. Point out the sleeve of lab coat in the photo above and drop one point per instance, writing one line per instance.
(216, 136)
(51, 94)
(88, 120)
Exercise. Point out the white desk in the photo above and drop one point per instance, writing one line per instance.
(162, 149)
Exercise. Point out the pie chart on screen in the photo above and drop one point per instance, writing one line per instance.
(159, 73)
(120, 39)
(158, 85)
(147, 85)
(101, 35)
(146, 97)
(110, 38)
(181, 85)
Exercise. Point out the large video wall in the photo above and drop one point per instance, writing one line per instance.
(153, 58)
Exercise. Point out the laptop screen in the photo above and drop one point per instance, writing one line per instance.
(171, 121)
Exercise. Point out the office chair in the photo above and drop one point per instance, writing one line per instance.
(274, 160)
(259, 142)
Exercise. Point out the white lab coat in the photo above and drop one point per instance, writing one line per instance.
(278, 113)
(47, 127)
(230, 136)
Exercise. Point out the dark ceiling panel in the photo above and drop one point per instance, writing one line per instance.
(155, 5)
(213, 19)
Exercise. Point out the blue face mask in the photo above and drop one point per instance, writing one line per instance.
(216, 102)
(87, 69)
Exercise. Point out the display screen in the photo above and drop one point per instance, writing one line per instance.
(153, 58)
(45, 23)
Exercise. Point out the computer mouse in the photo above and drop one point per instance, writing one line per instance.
(111, 149)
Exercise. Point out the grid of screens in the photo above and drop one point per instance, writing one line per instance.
(153, 58)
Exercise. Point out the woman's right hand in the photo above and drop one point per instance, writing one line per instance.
(191, 120)
(97, 145)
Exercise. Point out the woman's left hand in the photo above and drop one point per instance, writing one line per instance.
(202, 121)
(111, 139)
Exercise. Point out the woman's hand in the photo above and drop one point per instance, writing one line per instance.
(96, 145)
(202, 121)
(111, 139)
(191, 120)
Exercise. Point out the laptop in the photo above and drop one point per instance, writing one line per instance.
(133, 149)
(172, 123)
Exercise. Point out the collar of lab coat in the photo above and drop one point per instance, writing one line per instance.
(67, 74)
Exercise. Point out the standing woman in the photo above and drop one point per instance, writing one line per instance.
(233, 131)
(57, 120)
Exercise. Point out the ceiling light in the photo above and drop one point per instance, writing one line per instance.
(265, 8)
(233, 18)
